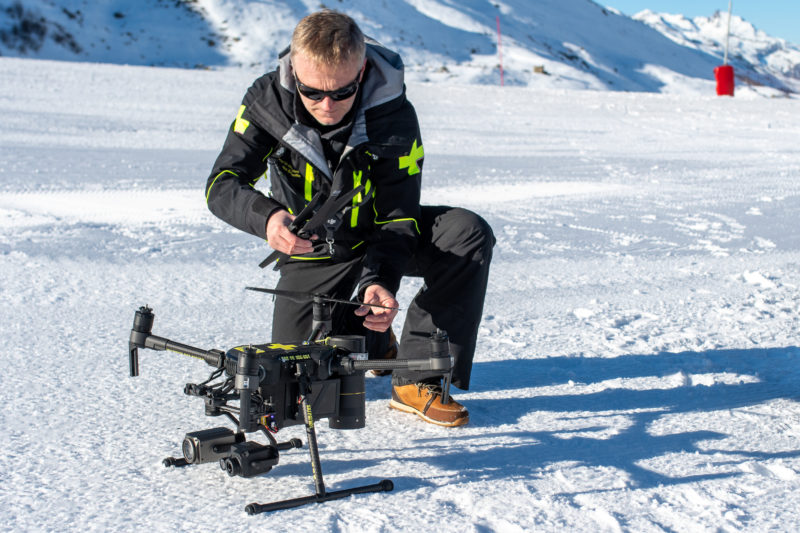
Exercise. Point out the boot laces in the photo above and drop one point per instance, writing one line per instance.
(431, 388)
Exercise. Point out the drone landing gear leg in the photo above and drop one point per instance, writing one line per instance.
(321, 494)
(175, 461)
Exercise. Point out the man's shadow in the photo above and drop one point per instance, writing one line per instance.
(752, 377)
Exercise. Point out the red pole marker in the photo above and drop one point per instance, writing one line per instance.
(725, 80)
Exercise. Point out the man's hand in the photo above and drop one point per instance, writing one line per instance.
(377, 318)
(281, 239)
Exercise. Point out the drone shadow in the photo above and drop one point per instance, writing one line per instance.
(753, 377)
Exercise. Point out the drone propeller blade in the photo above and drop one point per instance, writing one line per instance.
(350, 302)
(300, 297)
(296, 296)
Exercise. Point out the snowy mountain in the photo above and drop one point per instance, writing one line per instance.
(547, 43)
(751, 50)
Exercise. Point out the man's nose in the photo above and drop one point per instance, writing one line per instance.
(327, 103)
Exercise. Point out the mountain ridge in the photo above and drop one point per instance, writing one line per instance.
(576, 44)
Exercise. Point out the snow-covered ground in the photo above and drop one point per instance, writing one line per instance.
(637, 366)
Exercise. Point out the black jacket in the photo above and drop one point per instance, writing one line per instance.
(383, 152)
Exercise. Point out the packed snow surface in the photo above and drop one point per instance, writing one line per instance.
(637, 366)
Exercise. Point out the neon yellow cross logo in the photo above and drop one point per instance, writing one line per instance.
(276, 346)
(243, 348)
(240, 126)
(411, 161)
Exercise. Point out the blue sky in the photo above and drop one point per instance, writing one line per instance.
(779, 18)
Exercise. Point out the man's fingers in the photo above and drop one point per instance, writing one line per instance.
(377, 323)
(378, 318)
(289, 243)
(301, 246)
(281, 239)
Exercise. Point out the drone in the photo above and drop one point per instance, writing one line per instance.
(267, 387)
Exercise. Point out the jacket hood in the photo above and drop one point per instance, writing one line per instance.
(384, 83)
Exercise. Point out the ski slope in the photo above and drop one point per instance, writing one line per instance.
(637, 366)
(547, 44)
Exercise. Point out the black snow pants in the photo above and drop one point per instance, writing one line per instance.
(452, 258)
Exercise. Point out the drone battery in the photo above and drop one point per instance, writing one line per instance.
(351, 403)
(209, 445)
(324, 399)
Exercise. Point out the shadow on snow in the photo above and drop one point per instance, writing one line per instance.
(628, 448)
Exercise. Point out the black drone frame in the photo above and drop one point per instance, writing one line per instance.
(328, 357)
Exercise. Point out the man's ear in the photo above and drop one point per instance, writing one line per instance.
(363, 68)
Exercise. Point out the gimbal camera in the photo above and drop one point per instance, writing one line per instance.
(267, 387)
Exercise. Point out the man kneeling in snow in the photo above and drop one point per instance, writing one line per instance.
(333, 117)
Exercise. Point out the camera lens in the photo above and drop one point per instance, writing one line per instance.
(232, 466)
(189, 450)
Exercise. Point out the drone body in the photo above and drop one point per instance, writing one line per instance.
(267, 387)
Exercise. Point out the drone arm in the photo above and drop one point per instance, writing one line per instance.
(215, 358)
(141, 337)
(432, 364)
(133, 359)
(442, 365)
(440, 361)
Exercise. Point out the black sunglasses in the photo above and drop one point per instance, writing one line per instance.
(337, 95)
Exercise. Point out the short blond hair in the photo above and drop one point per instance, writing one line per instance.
(328, 37)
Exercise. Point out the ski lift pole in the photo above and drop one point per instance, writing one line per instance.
(500, 50)
(728, 33)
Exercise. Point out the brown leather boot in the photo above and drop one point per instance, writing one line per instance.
(391, 353)
(425, 400)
